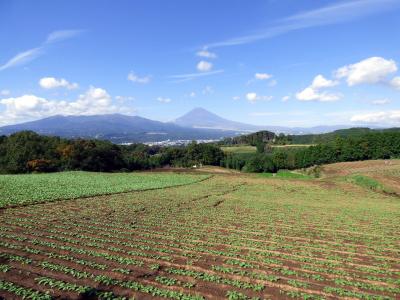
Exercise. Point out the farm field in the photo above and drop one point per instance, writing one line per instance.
(224, 236)
(243, 149)
(293, 146)
(34, 188)
(285, 174)
(239, 149)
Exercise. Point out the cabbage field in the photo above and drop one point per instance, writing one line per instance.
(227, 236)
(34, 188)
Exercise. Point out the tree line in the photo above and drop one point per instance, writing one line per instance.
(372, 145)
(26, 151)
(252, 139)
(356, 132)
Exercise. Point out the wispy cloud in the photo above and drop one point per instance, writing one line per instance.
(332, 14)
(22, 58)
(60, 35)
(264, 114)
(186, 77)
(31, 54)
(391, 117)
(286, 113)
(208, 90)
(164, 100)
(381, 101)
(193, 75)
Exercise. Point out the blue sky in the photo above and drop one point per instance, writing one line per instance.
(286, 62)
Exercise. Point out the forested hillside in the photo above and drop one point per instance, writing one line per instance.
(373, 145)
(27, 151)
(329, 137)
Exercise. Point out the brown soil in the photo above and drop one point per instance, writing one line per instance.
(89, 224)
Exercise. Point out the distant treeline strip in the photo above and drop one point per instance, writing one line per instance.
(371, 145)
(302, 139)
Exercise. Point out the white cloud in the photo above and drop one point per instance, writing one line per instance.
(383, 117)
(368, 71)
(372, 70)
(29, 55)
(28, 107)
(320, 82)
(52, 83)
(285, 98)
(5, 92)
(137, 79)
(262, 76)
(207, 54)
(94, 101)
(254, 97)
(204, 66)
(236, 98)
(314, 93)
(380, 101)
(309, 94)
(164, 100)
(395, 82)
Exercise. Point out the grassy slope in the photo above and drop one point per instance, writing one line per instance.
(369, 183)
(32, 188)
(239, 149)
(283, 174)
(245, 149)
(377, 175)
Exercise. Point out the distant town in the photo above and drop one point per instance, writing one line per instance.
(175, 142)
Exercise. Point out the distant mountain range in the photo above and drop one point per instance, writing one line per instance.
(116, 128)
(198, 124)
